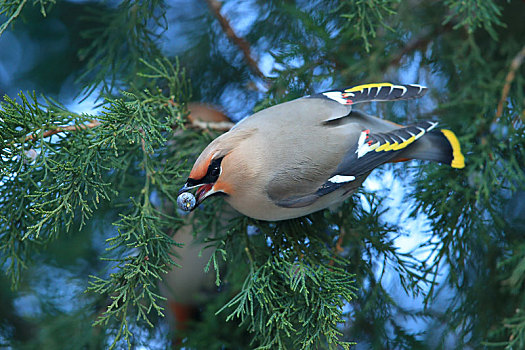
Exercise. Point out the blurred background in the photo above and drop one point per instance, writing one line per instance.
(438, 254)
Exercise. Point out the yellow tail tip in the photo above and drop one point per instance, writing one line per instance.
(458, 160)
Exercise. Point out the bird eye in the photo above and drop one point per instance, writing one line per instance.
(215, 170)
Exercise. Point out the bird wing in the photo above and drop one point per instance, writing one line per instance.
(374, 149)
(370, 151)
(373, 92)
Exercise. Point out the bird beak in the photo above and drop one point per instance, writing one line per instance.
(203, 191)
(186, 188)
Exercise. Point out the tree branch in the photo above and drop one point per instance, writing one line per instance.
(514, 65)
(419, 43)
(49, 133)
(219, 126)
(215, 7)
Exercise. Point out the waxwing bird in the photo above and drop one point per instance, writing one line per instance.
(302, 156)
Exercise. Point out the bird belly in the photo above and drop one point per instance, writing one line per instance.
(262, 208)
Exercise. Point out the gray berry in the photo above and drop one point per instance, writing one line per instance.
(186, 201)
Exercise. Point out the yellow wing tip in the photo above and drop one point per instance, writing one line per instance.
(458, 160)
(368, 86)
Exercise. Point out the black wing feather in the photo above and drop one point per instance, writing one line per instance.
(380, 148)
(374, 92)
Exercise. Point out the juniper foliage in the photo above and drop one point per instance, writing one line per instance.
(86, 199)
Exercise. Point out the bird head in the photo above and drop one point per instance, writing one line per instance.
(217, 169)
(206, 176)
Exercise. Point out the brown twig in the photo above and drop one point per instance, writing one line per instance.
(338, 248)
(215, 7)
(219, 126)
(514, 65)
(142, 141)
(419, 43)
(49, 133)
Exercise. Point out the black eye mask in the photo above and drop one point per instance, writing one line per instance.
(214, 170)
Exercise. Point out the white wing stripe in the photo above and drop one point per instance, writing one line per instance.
(336, 96)
(337, 179)
(402, 88)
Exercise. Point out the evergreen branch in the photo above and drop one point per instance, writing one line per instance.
(514, 66)
(119, 39)
(364, 16)
(293, 294)
(46, 184)
(282, 292)
(142, 234)
(13, 8)
(516, 325)
(242, 44)
(66, 180)
(142, 249)
(473, 14)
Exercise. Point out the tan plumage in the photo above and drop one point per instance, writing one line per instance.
(301, 156)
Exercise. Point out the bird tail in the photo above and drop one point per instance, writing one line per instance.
(440, 146)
